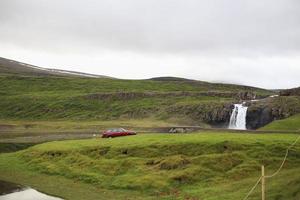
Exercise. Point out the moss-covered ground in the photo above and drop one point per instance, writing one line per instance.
(208, 165)
(288, 124)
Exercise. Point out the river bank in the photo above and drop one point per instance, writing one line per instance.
(13, 191)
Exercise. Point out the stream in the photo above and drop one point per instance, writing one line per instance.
(11, 191)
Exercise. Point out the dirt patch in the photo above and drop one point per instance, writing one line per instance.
(47, 138)
(6, 127)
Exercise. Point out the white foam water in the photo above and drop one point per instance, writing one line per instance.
(28, 194)
(238, 117)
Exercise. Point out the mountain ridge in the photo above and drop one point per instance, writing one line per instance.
(13, 67)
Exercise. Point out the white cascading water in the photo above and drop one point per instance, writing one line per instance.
(238, 117)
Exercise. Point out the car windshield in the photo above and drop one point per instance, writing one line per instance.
(117, 130)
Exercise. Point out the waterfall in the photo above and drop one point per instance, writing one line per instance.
(238, 117)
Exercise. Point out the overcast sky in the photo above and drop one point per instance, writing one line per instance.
(252, 42)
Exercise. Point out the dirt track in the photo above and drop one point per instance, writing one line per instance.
(39, 137)
(46, 138)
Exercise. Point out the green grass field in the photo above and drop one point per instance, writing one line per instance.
(67, 98)
(198, 166)
(288, 124)
(206, 165)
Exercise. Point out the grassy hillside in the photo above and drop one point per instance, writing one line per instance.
(206, 166)
(12, 67)
(27, 99)
(69, 98)
(290, 124)
(29, 94)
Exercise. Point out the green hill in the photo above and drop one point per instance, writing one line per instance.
(55, 98)
(51, 98)
(12, 67)
(158, 166)
(288, 124)
(30, 95)
(208, 166)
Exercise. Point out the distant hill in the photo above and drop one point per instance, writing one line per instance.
(12, 67)
(209, 85)
(30, 92)
(170, 78)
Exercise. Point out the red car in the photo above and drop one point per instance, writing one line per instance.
(116, 132)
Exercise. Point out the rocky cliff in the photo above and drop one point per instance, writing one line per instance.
(290, 92)
(215, 114)
(267, 110)
(260, 112)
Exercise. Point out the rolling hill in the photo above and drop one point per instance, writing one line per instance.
(12, 67)
(31, 93)
(210, 166)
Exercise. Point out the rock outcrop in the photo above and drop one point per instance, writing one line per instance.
(290, 92)
(246, 95)
(267, 110)
(215, 114)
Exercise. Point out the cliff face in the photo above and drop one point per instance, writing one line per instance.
(290, 92)
(258, 116)
(215, 114)
(248, 95)
(267, 110)
(260, 112)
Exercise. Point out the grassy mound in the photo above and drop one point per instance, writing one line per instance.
(163, 166)
(288, 124)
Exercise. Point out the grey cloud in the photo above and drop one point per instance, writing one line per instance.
(247, 41)
(167, 26)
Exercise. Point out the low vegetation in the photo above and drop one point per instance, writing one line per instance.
(208, 166)
(12, 147)
(50, 98)
(198, 166)
(288, 124)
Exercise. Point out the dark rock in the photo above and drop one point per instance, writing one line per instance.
(7, 187)
(290, 92)
(216, 114)
(265, 111)
(246, 95)
(258, 117)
